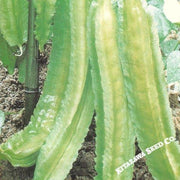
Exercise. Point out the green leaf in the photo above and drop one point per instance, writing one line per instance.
(163, 25)
(45, 11)
(169, 46)
(6, 55)
(173, 67)
(159, 4)
(2, 119)
(13, 21)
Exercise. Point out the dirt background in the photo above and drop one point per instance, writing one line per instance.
(12, 103)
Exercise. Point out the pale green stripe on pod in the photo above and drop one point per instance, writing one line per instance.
(55, 145)
(97, 90)
(144, 81)
(172, 151)
(22, 148)
(69, 142)
(116, 124)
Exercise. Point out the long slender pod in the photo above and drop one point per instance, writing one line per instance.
(144, 82)
(97, 90)
(69, 142)
(22, 148)
(115, 135)
(58, 142)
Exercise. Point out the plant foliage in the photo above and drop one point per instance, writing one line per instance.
(45, 10)
(124, 82)
(173, 67)
(13, 21)
(6, 55)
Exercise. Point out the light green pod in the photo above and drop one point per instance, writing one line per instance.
(127, 68)
(72, 122)
(22, 148)
(115, 135)
(63, 150)
(145, 83)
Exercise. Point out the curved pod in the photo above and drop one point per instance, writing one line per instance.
(62, 143)
(22, 148)
(115, 135)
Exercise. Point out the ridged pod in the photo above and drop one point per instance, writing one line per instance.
(76, 110)
(97, 90)
(6, 55)
(115, 135)
(22, 148)
(63, 153)
(127, 68)
(13, 21)
(145, 83)
(45, 11)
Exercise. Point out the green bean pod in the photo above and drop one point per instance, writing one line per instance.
(130, 91)
(22, 148)
(64, 151)
(115, 135)
(145, 83)
(61, 147)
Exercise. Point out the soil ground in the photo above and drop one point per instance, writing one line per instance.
(12, 103)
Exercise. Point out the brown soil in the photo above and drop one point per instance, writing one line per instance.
(12, 103)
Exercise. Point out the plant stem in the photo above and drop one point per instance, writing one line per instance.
(32, 73)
